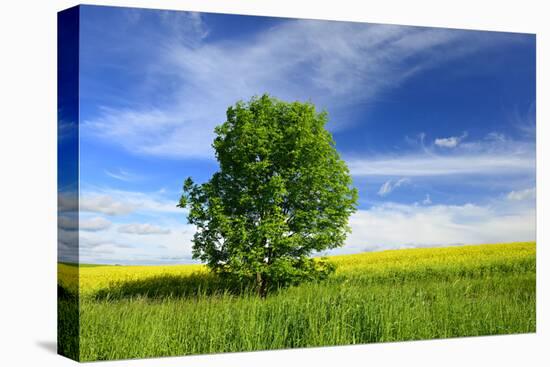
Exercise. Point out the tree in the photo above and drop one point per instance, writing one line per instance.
(282, 192)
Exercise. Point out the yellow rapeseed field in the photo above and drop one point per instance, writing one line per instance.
(376, 265)
(460, 258)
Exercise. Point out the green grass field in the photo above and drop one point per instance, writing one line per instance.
(149, 311)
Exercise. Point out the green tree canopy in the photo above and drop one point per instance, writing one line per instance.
(282, 192)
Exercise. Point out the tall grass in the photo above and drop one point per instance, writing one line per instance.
(374, 297)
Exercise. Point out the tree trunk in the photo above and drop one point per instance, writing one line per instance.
(261, 285)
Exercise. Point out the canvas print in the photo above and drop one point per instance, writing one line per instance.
(233, 183)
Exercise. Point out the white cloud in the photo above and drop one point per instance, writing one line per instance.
(345, 62)
(494, 156)
(106, 204)
(72, 222)
(99, 241)
(390, 185)
(89, 244)
(420, 164)
(450, 142)
(126, 247)
(67, 202)
(385, 226)
(526, 121)
(385, 188)
(94, 224)
(522, 194)
(495, 136)
(68, 237)
(67, 222)
(142, 229)
(66, 130)
(121, 175)
(427, 200)
(447, 142)
(119, 202)
(390, 225)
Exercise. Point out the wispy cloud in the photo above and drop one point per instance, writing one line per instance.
(94, 224)
(66, 129)
(345, 63)
(495, 157)
(67, 222)
(525, 121)
(496, 136)
(427, 200)
(122, 175)
(450, 142)
(88, 243)
(67, 202)
(68, 238)
(390, 185)
(105, 204)
(423, 165)
(72, 222)
(525, 194)
(147, 227)
(142, 229)
(120, 202)
(139, 243)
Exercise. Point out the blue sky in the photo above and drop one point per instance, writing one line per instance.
(436, 125)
